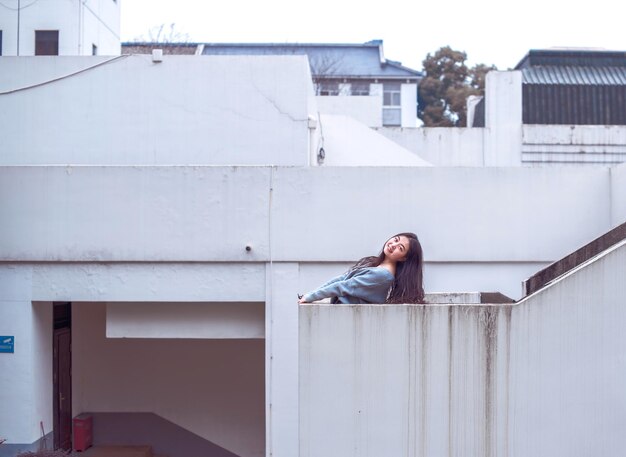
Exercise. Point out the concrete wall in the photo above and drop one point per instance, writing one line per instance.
(498, 144)
(442, 146)
(210, 214)
(219, 110)
(574, 144)
(618, 194)
(25, 375)
(349, 143)
(178, 234)
(542, 377)
(365, 109)
(20, 374)
(213, 388)
(80, 24)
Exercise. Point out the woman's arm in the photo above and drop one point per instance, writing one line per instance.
(360, 284)
(306, 297)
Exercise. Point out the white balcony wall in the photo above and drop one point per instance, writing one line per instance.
(366, 109)
(217, 110)
(520, 379)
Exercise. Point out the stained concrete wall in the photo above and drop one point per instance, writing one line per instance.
(541, 377)
(211, 387)
(573, 144)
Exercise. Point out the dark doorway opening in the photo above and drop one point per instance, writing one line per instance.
(62, 375)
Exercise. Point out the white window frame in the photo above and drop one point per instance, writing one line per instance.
(392, 103)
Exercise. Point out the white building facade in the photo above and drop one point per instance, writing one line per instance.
(60, 27)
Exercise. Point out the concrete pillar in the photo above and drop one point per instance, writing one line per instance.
(25, 374)
(281, 360)
(408, 101)
(503, 118)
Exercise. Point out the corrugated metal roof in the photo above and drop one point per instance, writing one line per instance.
(569, 57)
(575, 75)
(340, 60)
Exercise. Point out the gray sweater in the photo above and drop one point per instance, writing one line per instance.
(364, 285)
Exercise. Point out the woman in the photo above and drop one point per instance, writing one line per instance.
(394, 276)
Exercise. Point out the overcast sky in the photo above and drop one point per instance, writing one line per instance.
(489, 31)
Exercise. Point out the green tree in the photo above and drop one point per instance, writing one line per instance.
(447, 83)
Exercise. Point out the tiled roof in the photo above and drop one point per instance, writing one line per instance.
(341, 60)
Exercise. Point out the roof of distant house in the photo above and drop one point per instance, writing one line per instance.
(328, 60)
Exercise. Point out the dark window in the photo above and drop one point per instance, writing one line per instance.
(46, 42)
(94, 50)
(328, 88)
(0, 42)
(359, 88)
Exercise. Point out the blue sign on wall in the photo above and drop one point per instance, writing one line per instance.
(7, 344)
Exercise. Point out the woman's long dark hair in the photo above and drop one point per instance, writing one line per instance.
(408, 285)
